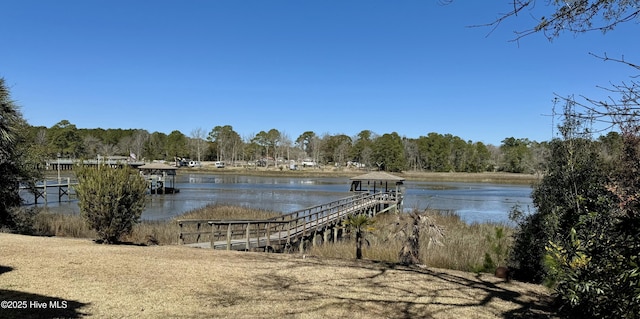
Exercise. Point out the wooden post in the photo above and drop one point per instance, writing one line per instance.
(68, 189)
(180, 238)
(304, 226)
(60, 191)
(45, 193)
(198, 231)
(248, 246)
(228, 236)
(164, 181)
(297, 220)
(268, 234)
(213, 238)
(36, 193)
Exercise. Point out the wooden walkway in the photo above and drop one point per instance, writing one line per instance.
(284, 232)
(39, 190)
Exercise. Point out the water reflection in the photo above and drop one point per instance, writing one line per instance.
(475, 202)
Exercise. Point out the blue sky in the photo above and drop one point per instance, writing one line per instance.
(336, 67)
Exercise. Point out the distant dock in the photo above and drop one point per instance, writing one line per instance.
(63, 188)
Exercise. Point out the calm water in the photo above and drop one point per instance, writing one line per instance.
(474, 202)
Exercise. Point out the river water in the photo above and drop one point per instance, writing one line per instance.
(474, 202)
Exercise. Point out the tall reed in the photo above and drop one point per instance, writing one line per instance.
(145, 232)
(463, 248)
(63, 225)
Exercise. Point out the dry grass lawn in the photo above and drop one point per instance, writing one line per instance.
(180, 282)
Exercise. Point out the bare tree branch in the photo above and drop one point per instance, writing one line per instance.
(574, 16)
(621, 60)
(517, 7)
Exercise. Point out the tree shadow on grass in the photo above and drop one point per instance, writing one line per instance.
(531, 309)
(386, 290)
(4, 269)
(24, 305)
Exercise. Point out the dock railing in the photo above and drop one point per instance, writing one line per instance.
(248, 234)
(39, 189)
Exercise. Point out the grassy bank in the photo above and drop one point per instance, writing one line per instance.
(328, 171)
(123, 281)
(324, 282)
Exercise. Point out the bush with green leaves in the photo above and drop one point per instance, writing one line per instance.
(574, 184)
(583, 238)
(496, 255)
(595, 269)
(593, 272)
(111, 200)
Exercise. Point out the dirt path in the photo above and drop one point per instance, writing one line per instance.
(87, 279)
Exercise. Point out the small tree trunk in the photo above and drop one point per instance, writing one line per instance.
(411, 250)
(358, 244)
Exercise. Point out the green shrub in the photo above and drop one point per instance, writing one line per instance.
(595, 271)
(526, 257)
(496, 255)
(583, 239)
(575, 183)
(111, 200)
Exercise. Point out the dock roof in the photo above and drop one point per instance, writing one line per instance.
(158, 166)
(378, 176)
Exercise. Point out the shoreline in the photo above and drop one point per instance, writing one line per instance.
(327, 172)
(485, 177)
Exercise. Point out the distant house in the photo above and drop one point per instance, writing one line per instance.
(308, 163)
(355, 164)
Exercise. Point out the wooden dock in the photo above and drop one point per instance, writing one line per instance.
(290, 231)
(65, 187)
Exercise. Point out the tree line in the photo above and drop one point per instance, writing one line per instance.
(433, 152)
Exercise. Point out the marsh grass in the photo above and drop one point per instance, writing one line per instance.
(464, 246)
(227, 212)
(62, 225)
(145, 232)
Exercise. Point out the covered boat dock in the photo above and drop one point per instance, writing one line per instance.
(380, 182)
(161, 178)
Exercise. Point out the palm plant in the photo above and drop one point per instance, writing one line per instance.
(10, 119)
(409, 230)
(360, 223)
